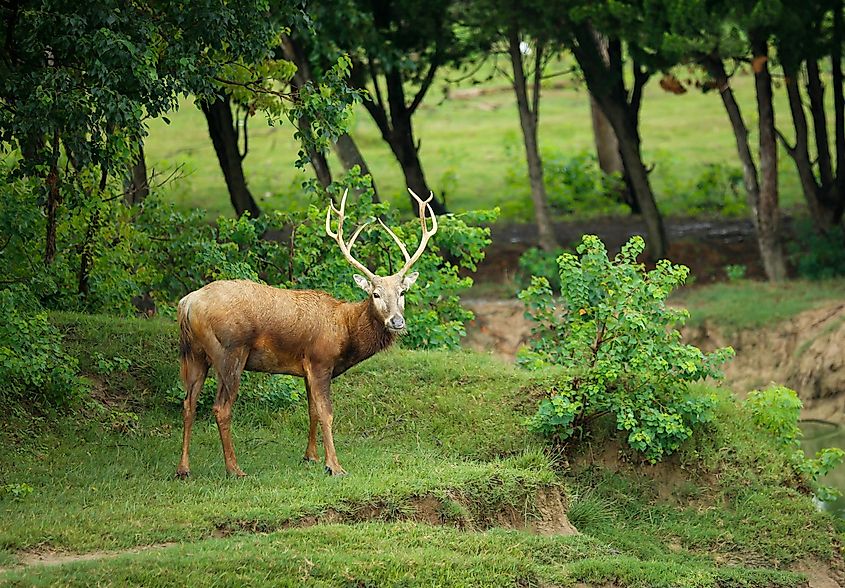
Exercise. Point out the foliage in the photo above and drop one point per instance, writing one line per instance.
(156, 251)
(615, 337)
(576, 183)
(776, 410)
(274, 392)
(735, 272)
(536, 262)
(818, 255)
(716, 190)
(34, 367)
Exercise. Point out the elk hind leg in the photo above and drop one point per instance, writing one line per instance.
(193, 372)
(229, 371)
(313, 420)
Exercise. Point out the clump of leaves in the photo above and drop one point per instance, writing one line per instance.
(33, 363)
(614, 334)
(776, 411)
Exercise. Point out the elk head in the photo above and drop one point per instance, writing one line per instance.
(387, 293)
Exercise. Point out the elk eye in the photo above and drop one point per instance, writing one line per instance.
(376, 295)
(401, 294)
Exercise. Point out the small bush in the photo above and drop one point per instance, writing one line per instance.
(614, 334)
(536, 262)
(816, 255)
(717, 190)
(33, 363)
(776, 411)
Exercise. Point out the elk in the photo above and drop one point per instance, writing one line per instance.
(241, 325)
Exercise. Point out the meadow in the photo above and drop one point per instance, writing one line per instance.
(472, 150)
(447, 487)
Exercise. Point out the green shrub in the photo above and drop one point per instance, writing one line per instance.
(614, 334)
(717, 190)
(33, 364)
(776, 411)
(536, 262)
(576, 184)
(816, 255)
(153, 250)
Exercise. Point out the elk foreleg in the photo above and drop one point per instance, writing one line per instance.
(319, 381)
(313, 418)
(229, 371)
(193, 372)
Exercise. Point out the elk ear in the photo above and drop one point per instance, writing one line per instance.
(409, 280)
(363, 283)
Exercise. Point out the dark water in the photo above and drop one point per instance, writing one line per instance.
(817, 435)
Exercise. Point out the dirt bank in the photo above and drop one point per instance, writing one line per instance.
(806, 353)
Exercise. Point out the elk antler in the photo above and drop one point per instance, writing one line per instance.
(346, 247)
(426, 233)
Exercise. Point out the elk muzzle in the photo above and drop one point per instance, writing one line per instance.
(395, 323)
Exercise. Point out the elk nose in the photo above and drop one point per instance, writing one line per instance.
(397, 322)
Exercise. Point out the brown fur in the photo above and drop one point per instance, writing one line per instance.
(240, 325)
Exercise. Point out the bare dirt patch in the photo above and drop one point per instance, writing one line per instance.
(51, 557)
(548, 518)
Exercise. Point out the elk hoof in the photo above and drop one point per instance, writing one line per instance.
(183, 474)
(236, 473)
(338, 471)
(310, 460)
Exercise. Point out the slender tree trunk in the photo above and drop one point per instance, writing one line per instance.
(528, 119)
(768, 212)
(137, 186)
(800, 153)
(349, 154)
(749, 169)
(838, 190)
(815, 91)
(224, 136)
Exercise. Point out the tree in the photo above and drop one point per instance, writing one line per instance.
(807, 34)
(519, 30)
(623, 23)
(296, 49)
(78, 79)
(710, 34)
(396, 47)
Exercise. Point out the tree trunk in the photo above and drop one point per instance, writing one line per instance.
(768, 212)
(401, 140)
(606, 85)
(749, 169)
(349, 154)
(224, 136)
(137, 186)
(629, 146)
(838, 189)
(528, 119)
(800, 153)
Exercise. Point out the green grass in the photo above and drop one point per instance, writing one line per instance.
(441, 426)
(472, 148)
(746, 304)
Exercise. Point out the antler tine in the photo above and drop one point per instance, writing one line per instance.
(338, 236)
(398, 241)
(426, 232)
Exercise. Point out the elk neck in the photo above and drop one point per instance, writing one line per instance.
(367, 332)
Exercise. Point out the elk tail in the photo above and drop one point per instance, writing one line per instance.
(185, 334)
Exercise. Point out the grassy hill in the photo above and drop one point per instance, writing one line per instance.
(446, 487)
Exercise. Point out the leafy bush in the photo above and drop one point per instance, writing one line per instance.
(33, 364)
(614, 334)
(536, 262)
(816, 255)
(776, 411)
(153, 250)
(717, 190)
(265, 390)
(576, 184)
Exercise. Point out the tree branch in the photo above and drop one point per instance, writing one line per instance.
(426, 84)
